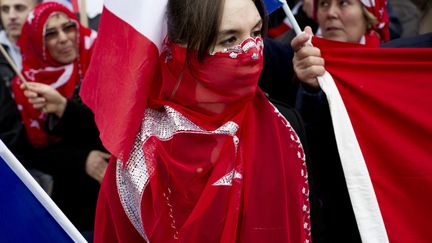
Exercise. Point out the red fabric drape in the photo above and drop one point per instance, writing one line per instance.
(387, 93)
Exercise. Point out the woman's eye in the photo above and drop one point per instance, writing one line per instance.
(69, 27)
(256, 33)
(51, 34)
(344, 3)
(323, 3)
(229, 42)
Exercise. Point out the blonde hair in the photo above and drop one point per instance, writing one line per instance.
(371, 20)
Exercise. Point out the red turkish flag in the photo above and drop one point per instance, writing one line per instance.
(381, 105)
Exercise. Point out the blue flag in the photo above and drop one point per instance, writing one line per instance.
(27, 213)
(272, 5)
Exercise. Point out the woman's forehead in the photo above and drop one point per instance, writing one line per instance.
(56, 18)
(237, 13)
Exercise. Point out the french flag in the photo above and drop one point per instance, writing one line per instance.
(27, 213)
(272, 5)
(381, 106)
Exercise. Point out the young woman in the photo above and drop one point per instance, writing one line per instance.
(213, 161)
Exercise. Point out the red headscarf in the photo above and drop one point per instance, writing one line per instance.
(214, 161)
(40, 66)
(379, 9)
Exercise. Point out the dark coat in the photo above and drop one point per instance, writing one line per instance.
(420, 41)
(12, 131)
(276, 79)
(74, 191)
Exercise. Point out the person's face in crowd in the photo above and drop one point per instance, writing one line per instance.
(61, 38)
(13, 16)
(341, 20)
(240, 20)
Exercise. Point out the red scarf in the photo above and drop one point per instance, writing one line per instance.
(379, 9)
(39, 66)
(214, 161)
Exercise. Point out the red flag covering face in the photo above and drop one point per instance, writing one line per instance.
(386, 93)
(206, 165)
(40, 66)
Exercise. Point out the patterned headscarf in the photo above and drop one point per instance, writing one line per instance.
(379, 9)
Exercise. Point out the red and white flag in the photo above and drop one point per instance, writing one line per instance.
(128, 28)
(381, 105)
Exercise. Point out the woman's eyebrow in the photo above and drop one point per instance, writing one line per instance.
(233, 31)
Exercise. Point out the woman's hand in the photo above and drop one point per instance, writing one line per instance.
(307, 61)
(96, 164)
(45, 98)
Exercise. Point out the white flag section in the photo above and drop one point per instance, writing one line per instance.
(94, 7)
(153, 26)
(27, 213)
(364, 201)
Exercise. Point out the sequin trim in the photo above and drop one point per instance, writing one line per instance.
(243, 48)
(133, 176)
(227, 179)
(303, 173)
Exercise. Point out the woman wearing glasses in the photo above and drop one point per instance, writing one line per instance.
(56, 51)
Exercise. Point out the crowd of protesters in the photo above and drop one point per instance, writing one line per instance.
(43, 120)
(53, 133)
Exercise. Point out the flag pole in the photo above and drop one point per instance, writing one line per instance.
(40, 194)
(12, 64)
(83, 13)
(291, 17)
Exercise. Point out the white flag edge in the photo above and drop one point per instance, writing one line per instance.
(145, 16)
(40, 194)
(363, 198)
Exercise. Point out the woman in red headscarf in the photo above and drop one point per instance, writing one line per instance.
(57, 56)
(56, 51)
(356, 21)
(213, 160)
(362, 22)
